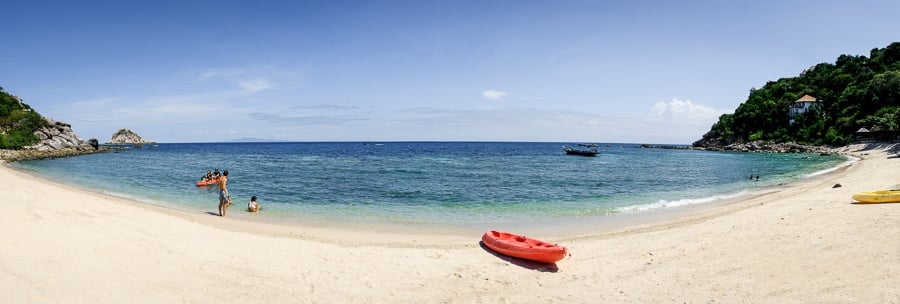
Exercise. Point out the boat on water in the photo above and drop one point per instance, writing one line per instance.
(519, 246)
(207, 182)
(589, 150)
(880, 196)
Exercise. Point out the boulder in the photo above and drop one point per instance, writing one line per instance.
(56, 145)
(56, 135)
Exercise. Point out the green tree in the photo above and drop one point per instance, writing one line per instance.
(854, 90)
(18, 122)
(886, 118)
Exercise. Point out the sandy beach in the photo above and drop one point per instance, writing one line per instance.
(804, 243)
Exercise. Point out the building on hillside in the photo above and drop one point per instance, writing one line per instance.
(803, 105)
(876, 134)
(864, 135)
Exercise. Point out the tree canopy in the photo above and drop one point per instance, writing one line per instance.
(17, 122)
(853, 92)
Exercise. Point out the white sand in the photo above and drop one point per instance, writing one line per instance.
(802, 244)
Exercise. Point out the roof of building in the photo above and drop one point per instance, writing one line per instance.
(807, 98)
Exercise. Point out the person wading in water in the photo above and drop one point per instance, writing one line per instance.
(224, 198)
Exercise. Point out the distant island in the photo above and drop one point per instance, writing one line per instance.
(856, 98)
(127, 137)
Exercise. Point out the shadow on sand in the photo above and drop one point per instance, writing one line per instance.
(542, 267)
(871, 203)
(891, 147)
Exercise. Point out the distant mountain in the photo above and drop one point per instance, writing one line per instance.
(254, 139)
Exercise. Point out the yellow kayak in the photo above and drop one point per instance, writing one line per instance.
(880, 196)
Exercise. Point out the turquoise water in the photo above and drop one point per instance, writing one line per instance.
(426, 183)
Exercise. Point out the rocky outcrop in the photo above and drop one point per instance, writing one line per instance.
(55, 140)
(56, 135)
(670, 147)
(127, 137)
(21, 155)
(760, 146)
(710, 141)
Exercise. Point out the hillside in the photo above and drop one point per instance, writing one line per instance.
(826, 104)
(18, 122)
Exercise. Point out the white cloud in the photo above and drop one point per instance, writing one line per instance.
(254, 85)
(685, 110)
(326, 107)
(222, 73)
(494, 94)
(248, 79)
(100, 102)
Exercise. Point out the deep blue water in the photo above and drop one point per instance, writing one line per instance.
(447, 183)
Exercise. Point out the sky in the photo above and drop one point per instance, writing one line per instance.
(546, 71)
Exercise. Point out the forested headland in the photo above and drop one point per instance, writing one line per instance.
(855, 92)
(18, 122)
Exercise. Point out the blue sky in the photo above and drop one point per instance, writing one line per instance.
(595, 71)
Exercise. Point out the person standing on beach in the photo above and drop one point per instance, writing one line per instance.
(224, 198)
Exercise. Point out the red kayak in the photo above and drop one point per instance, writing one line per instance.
(207, 182)
(523, 247)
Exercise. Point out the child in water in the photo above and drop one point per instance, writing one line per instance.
(253, 206)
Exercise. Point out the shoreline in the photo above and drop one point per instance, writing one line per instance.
(7, 156)
(372, 232)
(801, 242)
(386, 233)
(558, 225)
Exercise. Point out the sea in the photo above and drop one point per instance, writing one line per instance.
(468, 185)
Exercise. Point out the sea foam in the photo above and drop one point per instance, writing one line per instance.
(850, 161)
(662, 204)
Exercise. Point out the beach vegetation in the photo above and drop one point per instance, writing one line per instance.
(853, 92)
(18, 122)
(887, 118)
